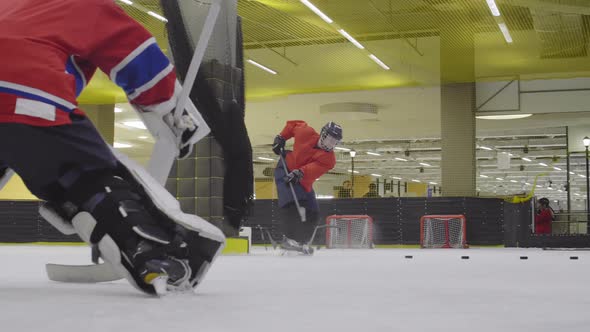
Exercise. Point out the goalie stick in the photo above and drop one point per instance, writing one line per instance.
(163, 155)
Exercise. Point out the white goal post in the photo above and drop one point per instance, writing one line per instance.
(349, 231)
(443, 231)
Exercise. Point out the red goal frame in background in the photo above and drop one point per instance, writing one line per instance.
(445, 218)
(348, 228)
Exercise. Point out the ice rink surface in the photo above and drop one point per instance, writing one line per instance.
(335, 290)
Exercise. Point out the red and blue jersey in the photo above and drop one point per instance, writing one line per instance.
(50, 49)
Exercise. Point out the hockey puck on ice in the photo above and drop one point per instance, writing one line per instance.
(574, 257)
(409, 256)
(524, 257)
(464, 257)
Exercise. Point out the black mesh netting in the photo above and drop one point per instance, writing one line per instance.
(218, 92)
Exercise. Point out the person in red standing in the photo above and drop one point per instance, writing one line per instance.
(544, 217)
(312, 157)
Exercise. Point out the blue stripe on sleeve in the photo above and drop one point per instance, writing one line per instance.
(142, 69)
(71, 69)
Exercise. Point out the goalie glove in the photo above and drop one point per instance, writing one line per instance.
(294, 177)
(184, 128)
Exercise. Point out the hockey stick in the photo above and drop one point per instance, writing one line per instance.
(300, 209)
(163, 155)
(4, 178)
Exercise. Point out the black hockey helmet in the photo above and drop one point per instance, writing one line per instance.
(330, 136)
(544, 201)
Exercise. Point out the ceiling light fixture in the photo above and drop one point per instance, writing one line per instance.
(137, 124)
(351, 39)
(373, 153)
(395, 177)
(499, 179)
(342, 149)
(526, 159)
(127, 2)
(493, 7)
(377, 175)
(265, 68)
(118, 145)
(401, 159)
(543, 164)
(503, 117)
(317, 11)
(158, 16)
(143, 137)
(425, 164)
(355, 172)
(557, 168)
(379, 62)
(414, 180)
(485, 148)
(483, 176)
(433, 183)
(505, 32)
(118, 110)
(513, 181)
(267, 159)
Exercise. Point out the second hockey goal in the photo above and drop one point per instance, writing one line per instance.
(443, 231)
(349, 231)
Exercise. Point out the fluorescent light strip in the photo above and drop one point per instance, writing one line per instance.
(379, 62)
(414, 180)
(485, 148)
(127, 2)
(505, 32)
(267, 159)
(484, 176)
(513, 181)
(493, 7)
(377, 175)
(137, 124)
(342, 149)
(262, 67)
(351, 39)
(317, 11)
(355, 172)
(395, 177)
(373, 153)
(499, 179)
(158, 16)
(526, 159)
(143, 137)
(543, 164)
(118, 145)
(557, 168)
(401, 159)
(433, 183)
(504, 117)
(425, 164)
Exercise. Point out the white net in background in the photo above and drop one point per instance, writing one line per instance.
(349, 231)
(443, 232)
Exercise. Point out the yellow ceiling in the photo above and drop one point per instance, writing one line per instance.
(550, 39)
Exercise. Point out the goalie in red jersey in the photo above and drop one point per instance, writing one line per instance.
(312, 156)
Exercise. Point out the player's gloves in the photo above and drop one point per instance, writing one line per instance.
(294, 177)
(278, 145)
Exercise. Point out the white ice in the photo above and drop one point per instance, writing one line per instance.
(335, 290)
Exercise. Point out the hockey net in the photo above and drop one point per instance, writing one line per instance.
(349, 231)
(443, 231)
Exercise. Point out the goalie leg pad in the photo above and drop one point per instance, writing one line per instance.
(85, 224)
(204, 242)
